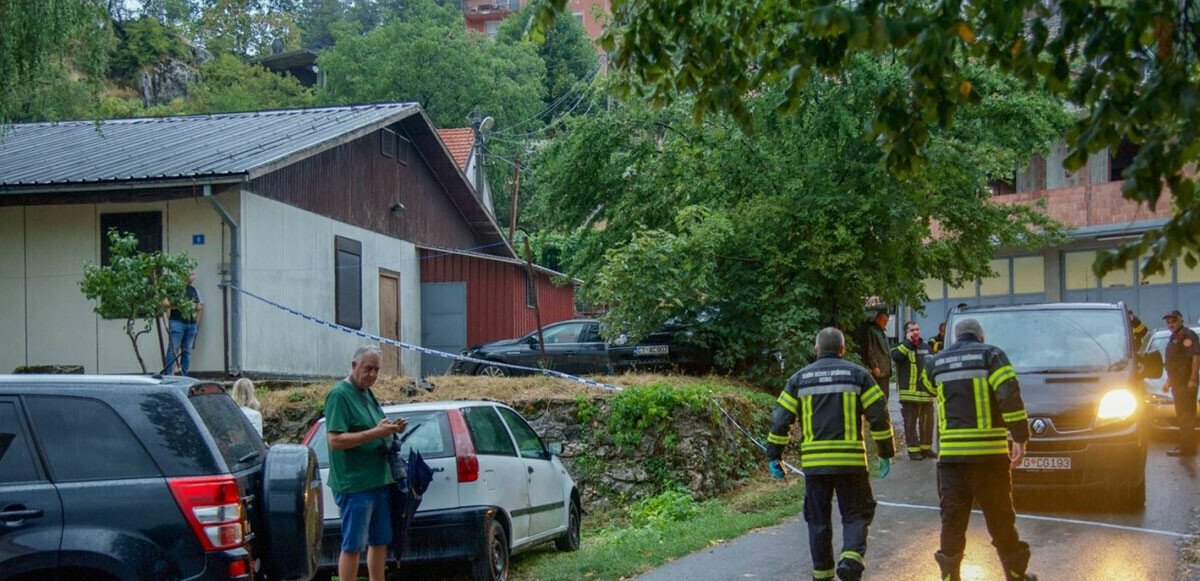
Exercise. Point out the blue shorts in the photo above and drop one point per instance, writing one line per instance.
(366, 518)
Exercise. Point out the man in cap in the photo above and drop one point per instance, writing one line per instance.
(1182, 364)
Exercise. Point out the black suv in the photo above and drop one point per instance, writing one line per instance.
(139, 479)
(1081, 380)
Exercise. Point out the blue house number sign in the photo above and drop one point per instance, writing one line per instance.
(197, 239)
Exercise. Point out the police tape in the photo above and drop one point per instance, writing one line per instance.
(418, 348)
(459, 357)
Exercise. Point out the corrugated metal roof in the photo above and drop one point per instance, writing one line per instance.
(168, 148)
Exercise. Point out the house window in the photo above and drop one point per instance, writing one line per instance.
(387, 143)
(347, 264)
(530, 291)
(579, 18)
(1120, 159)
(1077, 270)
(996, 285)
(1029, 275)
(145, 226)
(404, 149)
(491, 27)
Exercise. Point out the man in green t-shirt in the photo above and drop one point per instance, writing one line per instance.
(359, 475)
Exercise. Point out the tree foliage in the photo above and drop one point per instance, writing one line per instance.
(429, 57)
(246, 27)
(1130, 67)
(37, 38)
(569, 54)
(765, 236)
(143, 42)
(136, 287)
(230, 84)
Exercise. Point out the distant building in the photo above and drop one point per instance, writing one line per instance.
(301, 64)
(485, 15)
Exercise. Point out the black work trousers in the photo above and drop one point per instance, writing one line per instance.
(1185, 414)
(918, 426)
(960, 485)
(857, 506)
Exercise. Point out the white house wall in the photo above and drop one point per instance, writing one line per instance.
(12, 288)
(42, 253)
(289, 257)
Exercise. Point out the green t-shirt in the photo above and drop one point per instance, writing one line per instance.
(349, 409)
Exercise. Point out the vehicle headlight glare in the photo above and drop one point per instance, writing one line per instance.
(1117, 404)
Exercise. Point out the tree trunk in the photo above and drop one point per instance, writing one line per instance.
(133, 339)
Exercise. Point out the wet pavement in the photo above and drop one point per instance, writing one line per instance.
(1073, 537)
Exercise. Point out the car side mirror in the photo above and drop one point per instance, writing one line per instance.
(1151, 365)
(555, 448)
(532, 341)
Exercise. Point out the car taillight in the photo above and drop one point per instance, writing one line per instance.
(310, 433)
(464, 448)
(212, 506)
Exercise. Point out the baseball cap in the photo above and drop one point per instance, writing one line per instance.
(1174, 313)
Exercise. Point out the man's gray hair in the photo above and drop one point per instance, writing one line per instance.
(971, 326)
(830, 340)
(364, 350)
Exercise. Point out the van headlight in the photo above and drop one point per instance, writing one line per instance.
(1117, 404)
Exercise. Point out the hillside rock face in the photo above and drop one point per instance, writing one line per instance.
(165, 82)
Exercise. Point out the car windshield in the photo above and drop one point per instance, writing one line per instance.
(1058, 341)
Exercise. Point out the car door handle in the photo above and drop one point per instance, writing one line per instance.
(529, 469)
(19, 514)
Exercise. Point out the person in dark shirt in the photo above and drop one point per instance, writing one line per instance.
(1182, 362)
(183, 330)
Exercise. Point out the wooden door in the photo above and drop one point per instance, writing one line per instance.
(389, 321)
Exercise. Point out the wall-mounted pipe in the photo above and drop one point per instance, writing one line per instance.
(235, 277)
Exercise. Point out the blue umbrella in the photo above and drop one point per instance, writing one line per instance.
(406, 497)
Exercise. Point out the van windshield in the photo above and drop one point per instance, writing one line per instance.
(1058, 341)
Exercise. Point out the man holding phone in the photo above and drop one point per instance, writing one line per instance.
(359, 474)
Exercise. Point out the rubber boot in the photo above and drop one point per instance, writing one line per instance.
(849, 570)
(949, 566)
(1015, 564)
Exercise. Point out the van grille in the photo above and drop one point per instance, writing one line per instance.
(1074, 421)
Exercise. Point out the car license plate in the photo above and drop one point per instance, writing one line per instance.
(651, 349)
(1042, 463)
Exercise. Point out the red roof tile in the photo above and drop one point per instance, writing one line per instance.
(459, 142)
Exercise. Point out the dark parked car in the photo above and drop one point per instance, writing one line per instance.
(1081, 380)
(576, 347)
(138, 479)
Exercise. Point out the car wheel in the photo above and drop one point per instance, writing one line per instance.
(570, 539)
(491, 371)
(492, 565)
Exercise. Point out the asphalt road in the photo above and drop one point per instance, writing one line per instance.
(903, 539)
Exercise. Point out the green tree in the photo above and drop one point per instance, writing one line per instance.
(1130, 67)
(136, 287)
(143, 42)
(430, 58)
(766, 236)
(36, 39)
(569, 54)
(245, 27)
(316, 19)
(230, 84)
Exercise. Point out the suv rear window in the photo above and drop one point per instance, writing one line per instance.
(239, 444)
(431, 436)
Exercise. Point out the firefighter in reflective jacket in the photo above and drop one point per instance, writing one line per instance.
(830, 397)
(979, 406)
(1138, 329)
(938, 342)
(915, 402)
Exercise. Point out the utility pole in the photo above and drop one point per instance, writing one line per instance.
(512, 214)
(537, 309)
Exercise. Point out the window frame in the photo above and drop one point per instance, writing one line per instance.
(341, 244)
(543, 454)
(147, 244)
(530, 291)
(468, 411)
(40, 473)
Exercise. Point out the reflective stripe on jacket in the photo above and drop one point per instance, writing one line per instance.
(910, 367)
(979, 401)
(830, 397)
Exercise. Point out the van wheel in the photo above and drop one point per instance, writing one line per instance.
(492, 565)
(570, 539)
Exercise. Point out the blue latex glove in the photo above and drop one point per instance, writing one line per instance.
(885, 466)
(776, 468)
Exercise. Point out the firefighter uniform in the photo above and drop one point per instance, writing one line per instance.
(1138, 329)
(915, 402)
(979, 406)
(830, 397)
(937, 343)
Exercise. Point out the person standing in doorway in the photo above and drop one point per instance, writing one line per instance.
(359, 474)
(183, 330)
(1182, 364)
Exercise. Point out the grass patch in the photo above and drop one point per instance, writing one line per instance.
(620, 549)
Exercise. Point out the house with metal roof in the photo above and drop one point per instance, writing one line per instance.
(330, 211)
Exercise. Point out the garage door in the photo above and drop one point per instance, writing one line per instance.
(443, 323)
